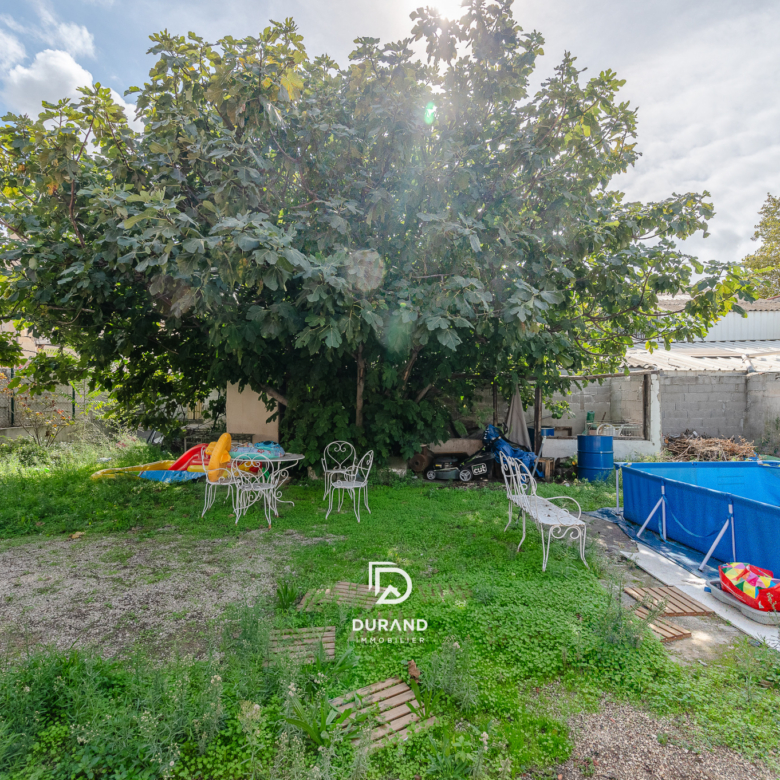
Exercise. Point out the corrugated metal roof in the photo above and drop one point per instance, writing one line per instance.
(677, 303)
(741, 356)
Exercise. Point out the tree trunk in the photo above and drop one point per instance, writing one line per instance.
(495, 402)
(537, 418)
(361, 383)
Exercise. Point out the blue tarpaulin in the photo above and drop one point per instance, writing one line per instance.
(702, 497)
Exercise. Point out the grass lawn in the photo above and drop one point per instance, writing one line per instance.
(175, 696)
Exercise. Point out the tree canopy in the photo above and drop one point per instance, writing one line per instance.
(764, 263)
(351, 242)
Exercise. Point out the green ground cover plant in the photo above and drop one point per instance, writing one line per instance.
(501, 631)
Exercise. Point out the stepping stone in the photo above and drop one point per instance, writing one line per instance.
(441, 592)
(677, 602)
(303, 643)
(389, 702)
(665, 630)
(348, 593)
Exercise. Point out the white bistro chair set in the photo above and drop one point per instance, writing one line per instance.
(245, 488)
(343, 473)
(552, 521)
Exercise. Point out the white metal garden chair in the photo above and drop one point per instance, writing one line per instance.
(354, 481)
(227, 476)
(338, 458)
(261, 486)
(551, 520)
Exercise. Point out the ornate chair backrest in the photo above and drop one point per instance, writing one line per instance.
(338, 455)
(520, 484)
(360, 472)
(266, 472)
(226, 475)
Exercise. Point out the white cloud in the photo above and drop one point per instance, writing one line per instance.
(52, 75)
(11, 50)
(75, 39)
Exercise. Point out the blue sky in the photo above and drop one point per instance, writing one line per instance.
(704, 73)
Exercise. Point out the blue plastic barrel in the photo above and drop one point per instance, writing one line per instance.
(595, 457)
(546, 433)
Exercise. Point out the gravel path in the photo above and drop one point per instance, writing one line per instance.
(622, 743)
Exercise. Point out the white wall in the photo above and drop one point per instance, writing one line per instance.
(625, 449)
(246, 413)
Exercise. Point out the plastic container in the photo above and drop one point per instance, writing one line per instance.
(595, 458)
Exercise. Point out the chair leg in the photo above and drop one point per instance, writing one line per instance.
(356, 502)
(330, 504)
(506, 527)
(546, 550)
(523, 537)
(341, 499)
(325, 477)
(582, 546)
(206, 500)
(365, 497)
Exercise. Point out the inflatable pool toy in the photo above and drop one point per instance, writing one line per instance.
(191, 465)
(758, 588)
(133, 471)
(247, 451)
(219, 456)
(207, 460)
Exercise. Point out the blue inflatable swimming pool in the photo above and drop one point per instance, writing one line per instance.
(728, 510)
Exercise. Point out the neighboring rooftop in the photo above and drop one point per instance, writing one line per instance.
(742, 356)
(677, 303)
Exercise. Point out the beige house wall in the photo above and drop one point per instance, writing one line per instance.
(246, 413)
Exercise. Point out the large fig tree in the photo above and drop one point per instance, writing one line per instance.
(352, 242)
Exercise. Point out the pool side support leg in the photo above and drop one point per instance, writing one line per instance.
(650, 516)
(733, 535)
(729, 522)
(663, 514)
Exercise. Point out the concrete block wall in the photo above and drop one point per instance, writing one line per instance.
(762, 419)
(708, 402)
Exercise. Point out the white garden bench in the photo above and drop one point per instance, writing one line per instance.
(553, 521)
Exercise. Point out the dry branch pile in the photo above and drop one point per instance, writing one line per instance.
(693, 446)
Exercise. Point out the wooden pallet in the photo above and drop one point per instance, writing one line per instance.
(303, 643)
(349, 593)
(677, 602)
(440, 592)
(665, 630)
(389, 702)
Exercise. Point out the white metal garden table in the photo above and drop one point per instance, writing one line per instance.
(277, 461)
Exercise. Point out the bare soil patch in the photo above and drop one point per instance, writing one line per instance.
(113, 591)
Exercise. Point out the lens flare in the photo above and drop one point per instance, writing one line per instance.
(430, 113)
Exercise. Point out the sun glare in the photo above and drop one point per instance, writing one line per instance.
(451, 9)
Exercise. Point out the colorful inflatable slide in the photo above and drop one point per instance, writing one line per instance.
(193, 464)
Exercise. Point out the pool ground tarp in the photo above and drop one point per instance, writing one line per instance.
(698, 497)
